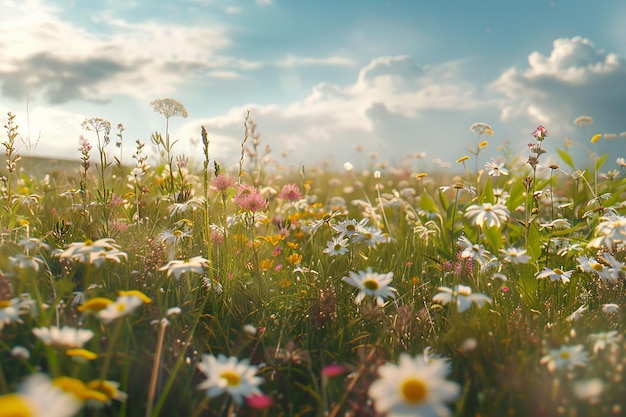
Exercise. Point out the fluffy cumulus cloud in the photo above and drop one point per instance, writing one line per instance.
(45, 56)
(576, 78)
(394, 107)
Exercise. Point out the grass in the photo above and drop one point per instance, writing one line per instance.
(173, 261)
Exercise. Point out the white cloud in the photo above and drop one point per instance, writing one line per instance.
(575, 78)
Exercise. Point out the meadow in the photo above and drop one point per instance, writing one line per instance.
(200, 287)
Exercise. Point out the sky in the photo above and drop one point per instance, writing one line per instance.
(323, 80)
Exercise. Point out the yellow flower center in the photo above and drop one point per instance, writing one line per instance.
(564, 355)
(5, 304)
(177, 233)
(231, 378)
(413, 391)
(465, 291)
(597, 267)
(557, 271)
(13, 405)
(88, 242)
(371, 284)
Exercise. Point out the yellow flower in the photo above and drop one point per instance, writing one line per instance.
(136, 293)
(81, 354)
(273, 239)
(596, 138)
(94, 305)
(463, 158)
(294, 259)
(483, 144)
(78, 388)
(266, 264)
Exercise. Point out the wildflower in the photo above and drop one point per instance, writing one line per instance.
(349, 227)
(556, 224)
(577, 314)
(192, 204)
(92, 252)
(462, 296)
(610, 308)
(333, 370)
(259, 402)
(487, 213)
(590, 264)
(178, 267)
(589, 389)
(565, 357)
(123, 306)
(169, 107)
(65, 337)
(249, 199)
(337, 246)
(462, 159)
(348, 166)
(540, 133)
(229, 375)
(515, 255)
(371, 283)
(603, 340)
(290, 192)
(38, 397)
(621, 162)
(481, 128)
(476, 252)
(81, 355)
(94, 305)
(211, 284)
(11, 310)
(20, 261)
(173, 236)
(611, 230)
(77, 388)
(555, 274)
(20, 352)
(583, 121)
(414, 387)
(596, 138)
(222, 182)
(496, 169)
(110, 389)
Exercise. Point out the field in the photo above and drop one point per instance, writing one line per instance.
(176, 286)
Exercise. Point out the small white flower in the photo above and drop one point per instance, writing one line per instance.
(515, 255)
(65, 337)
(371, 283)
(177, 267)
(414, 387)
(123, 306)
(39, 397)
(496, 169)
(610, 308)
(555, 274)
(230, 375)
(487, 214)
(337, 246)
(577, 314)
(462, 296)
(565, 357)
(603, 340)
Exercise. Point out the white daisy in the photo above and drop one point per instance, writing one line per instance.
(487, 214)
(38, 397)
(462, 296)
(230, 375)
(414, 387)
(177, 267)
(555, 274)
(565, 357)
(65, 337)
(371, 283)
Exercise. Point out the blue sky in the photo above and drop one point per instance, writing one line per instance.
(320, 78)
